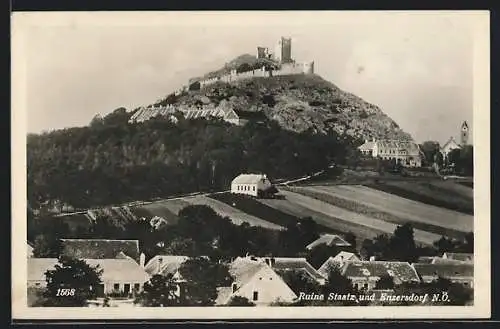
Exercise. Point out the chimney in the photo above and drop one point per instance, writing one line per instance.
(372, 258)
(342, 258)
(142, 259)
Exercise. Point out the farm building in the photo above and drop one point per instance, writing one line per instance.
(100, 248)
(457, 273)
(329, 240)
(406, 152)
(458, 256)
(365, 274)
(295, 264)
(255, 280)
(251, 184)
(119, 276)
(168, 265)
(338, 261)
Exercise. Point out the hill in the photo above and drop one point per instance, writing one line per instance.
(297, 102)
(111, 161)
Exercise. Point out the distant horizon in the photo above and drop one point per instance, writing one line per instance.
(416, 67)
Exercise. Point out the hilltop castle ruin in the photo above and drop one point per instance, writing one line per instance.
(281, 57)
(282, 64)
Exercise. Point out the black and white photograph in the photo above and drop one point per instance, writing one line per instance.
(250, 165)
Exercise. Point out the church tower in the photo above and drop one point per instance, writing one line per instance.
(464, 133)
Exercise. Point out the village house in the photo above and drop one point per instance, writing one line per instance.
(329, 240)
(457, 273)
(100, 248)
(251, 184)
(365, 274)
(407, 153)
(120, 276)
(255, 280)
(449, 146)
(338, 261)
(168, 265)
(459, 256)
(294, 264)
(452, 144)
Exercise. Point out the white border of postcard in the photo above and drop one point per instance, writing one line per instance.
(22, 22)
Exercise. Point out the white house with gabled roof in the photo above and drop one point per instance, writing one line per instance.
(250, 184)
(255, 280)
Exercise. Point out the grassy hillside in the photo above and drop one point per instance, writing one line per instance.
(428, 194)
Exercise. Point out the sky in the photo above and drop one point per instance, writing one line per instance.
(417, 67)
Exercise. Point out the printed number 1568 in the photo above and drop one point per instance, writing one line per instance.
(65, 292)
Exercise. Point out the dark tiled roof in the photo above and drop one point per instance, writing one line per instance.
(400, 271)
(296, 264)
(445, 270)
(464, 257)
(329, 240)
(99, 248)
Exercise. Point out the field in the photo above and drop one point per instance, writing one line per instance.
(455, 188)
(386, 211)
(237, 216)
(355, 218)
(336, 225)
(251, 206)
(428, 193)
(467, 184)
(167, 209)
(406, 208)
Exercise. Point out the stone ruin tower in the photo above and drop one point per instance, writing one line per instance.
(283, 52)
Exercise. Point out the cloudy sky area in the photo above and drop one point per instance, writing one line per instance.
(416, 67)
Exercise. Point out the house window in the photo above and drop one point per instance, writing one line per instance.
(254, 188)
(116, 286)
(126, 287)
(234, 287)
(255, 295)
(137, 286)
(365, 286)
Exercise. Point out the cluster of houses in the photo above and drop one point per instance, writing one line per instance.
(228, 114)
(259, 279)
(408, 153)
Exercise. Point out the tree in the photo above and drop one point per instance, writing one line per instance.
(298, 281)
(239, 301)
(430, 149)
(203, 277)
(385, 282)
(46, 246)
(181, 246)
(159, 291)
(78, 278)
(462, 160)
(340, 284)
(444, 244)
(319, 254)
(402, 245)
(351, 239)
